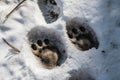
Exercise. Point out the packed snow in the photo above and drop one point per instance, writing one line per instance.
(94, 64)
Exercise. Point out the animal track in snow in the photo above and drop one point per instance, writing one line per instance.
(50, 10)
(48, 46)
(81, 74)
(81, 35)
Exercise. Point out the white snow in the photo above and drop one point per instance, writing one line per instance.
(103, 17)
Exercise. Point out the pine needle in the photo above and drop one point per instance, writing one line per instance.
(10, 45)
(7, 16)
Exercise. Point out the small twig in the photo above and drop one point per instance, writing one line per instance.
(7, 16)
(10, 45)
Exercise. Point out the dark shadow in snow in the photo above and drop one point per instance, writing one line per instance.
(81, 74)
(4, 28)
(19, 20)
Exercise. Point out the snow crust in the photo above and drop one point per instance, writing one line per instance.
(99, 64)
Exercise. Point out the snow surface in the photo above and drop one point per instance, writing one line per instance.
(103, 17)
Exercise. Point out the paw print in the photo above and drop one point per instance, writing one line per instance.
(46, 51)
(81, 35)
(46, 45)
(50, 10)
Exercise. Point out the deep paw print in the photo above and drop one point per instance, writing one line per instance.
(47, 52)
(46, 46)
(49, 56)
(50, 10)
(81, 35)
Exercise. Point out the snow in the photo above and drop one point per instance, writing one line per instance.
(103, 17)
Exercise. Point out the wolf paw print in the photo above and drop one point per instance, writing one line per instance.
(50, 10)
(48, 46)
(81, 34)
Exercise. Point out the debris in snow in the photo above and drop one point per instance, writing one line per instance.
(13, 47)
(7, 16)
